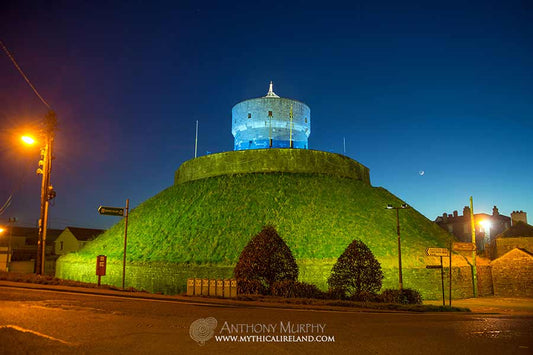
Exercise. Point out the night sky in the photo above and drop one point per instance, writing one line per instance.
(443, 88)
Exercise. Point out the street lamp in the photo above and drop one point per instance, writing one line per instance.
(486, 224)
(391, 207)
(47, 191)
(28, 139)
(2, 231)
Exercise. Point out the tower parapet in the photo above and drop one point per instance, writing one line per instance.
(518, 216)
(270, 122)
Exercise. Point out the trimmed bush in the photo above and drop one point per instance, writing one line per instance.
(251, 287)
(365, 296)
(266, 259)
(356, 271)
(296, 289)
(336, 294)
(405, 296)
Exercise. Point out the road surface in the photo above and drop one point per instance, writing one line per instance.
(45, 322)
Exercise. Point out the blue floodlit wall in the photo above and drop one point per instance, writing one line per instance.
(256, 121)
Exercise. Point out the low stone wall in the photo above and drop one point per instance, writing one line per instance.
(152, 277)
(512, 274)
(172, 278)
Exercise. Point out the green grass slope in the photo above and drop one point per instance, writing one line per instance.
(209, 221)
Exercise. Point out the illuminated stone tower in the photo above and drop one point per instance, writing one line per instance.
(270, 122)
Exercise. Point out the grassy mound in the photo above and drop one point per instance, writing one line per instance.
(209, 221)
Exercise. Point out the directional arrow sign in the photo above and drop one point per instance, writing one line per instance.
(111, 211)
(437, 252)
(464, 246)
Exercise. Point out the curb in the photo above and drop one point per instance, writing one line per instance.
(201, 300)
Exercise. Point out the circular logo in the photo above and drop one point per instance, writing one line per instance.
(203, 329)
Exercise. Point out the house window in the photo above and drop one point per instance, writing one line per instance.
(61, 245)
(249, 115)
(269, 113)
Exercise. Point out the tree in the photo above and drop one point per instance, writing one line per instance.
(267, 259)
(356, 271)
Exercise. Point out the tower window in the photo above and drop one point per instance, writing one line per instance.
(306, 120)
(269, 113)
(249, 115)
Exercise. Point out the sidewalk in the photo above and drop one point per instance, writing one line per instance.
(491, 304)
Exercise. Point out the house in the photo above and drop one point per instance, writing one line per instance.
(487, 226)
(520, 235)
(24, 240)
(21, 247)
(74, 238)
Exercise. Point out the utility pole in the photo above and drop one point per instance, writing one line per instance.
(125, 242)
(47, 191)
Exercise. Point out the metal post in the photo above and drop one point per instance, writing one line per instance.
(11, 221)
(290, 138)
(442, 280)
(399, 248)
(473, 226)
(196, 140)
(344, 145)
(450, 268)
(270, 131)
(125, 242)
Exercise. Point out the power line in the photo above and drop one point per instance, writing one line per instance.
(24, 75)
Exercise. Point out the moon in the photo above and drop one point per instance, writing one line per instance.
(421, 172)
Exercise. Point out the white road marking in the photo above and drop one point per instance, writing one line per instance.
(20, 329)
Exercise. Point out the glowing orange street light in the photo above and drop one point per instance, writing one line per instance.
(28, 140)
(486, 224)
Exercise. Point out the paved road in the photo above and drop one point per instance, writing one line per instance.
(43, 322)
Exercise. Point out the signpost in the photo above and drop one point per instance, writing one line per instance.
(440, 252)
(111, 211)
(121, 212)
(101, 261)
(463, 246)
(437, 252)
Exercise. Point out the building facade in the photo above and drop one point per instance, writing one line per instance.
(73, 239)
(487, 226)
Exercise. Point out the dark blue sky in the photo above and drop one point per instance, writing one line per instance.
(445, 88)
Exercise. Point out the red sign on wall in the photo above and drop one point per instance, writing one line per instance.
(101, 261)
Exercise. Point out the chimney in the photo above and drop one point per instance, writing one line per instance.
(455, 214)
(495, 211)
(466, 211)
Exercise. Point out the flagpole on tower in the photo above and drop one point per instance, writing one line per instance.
(196, 140)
